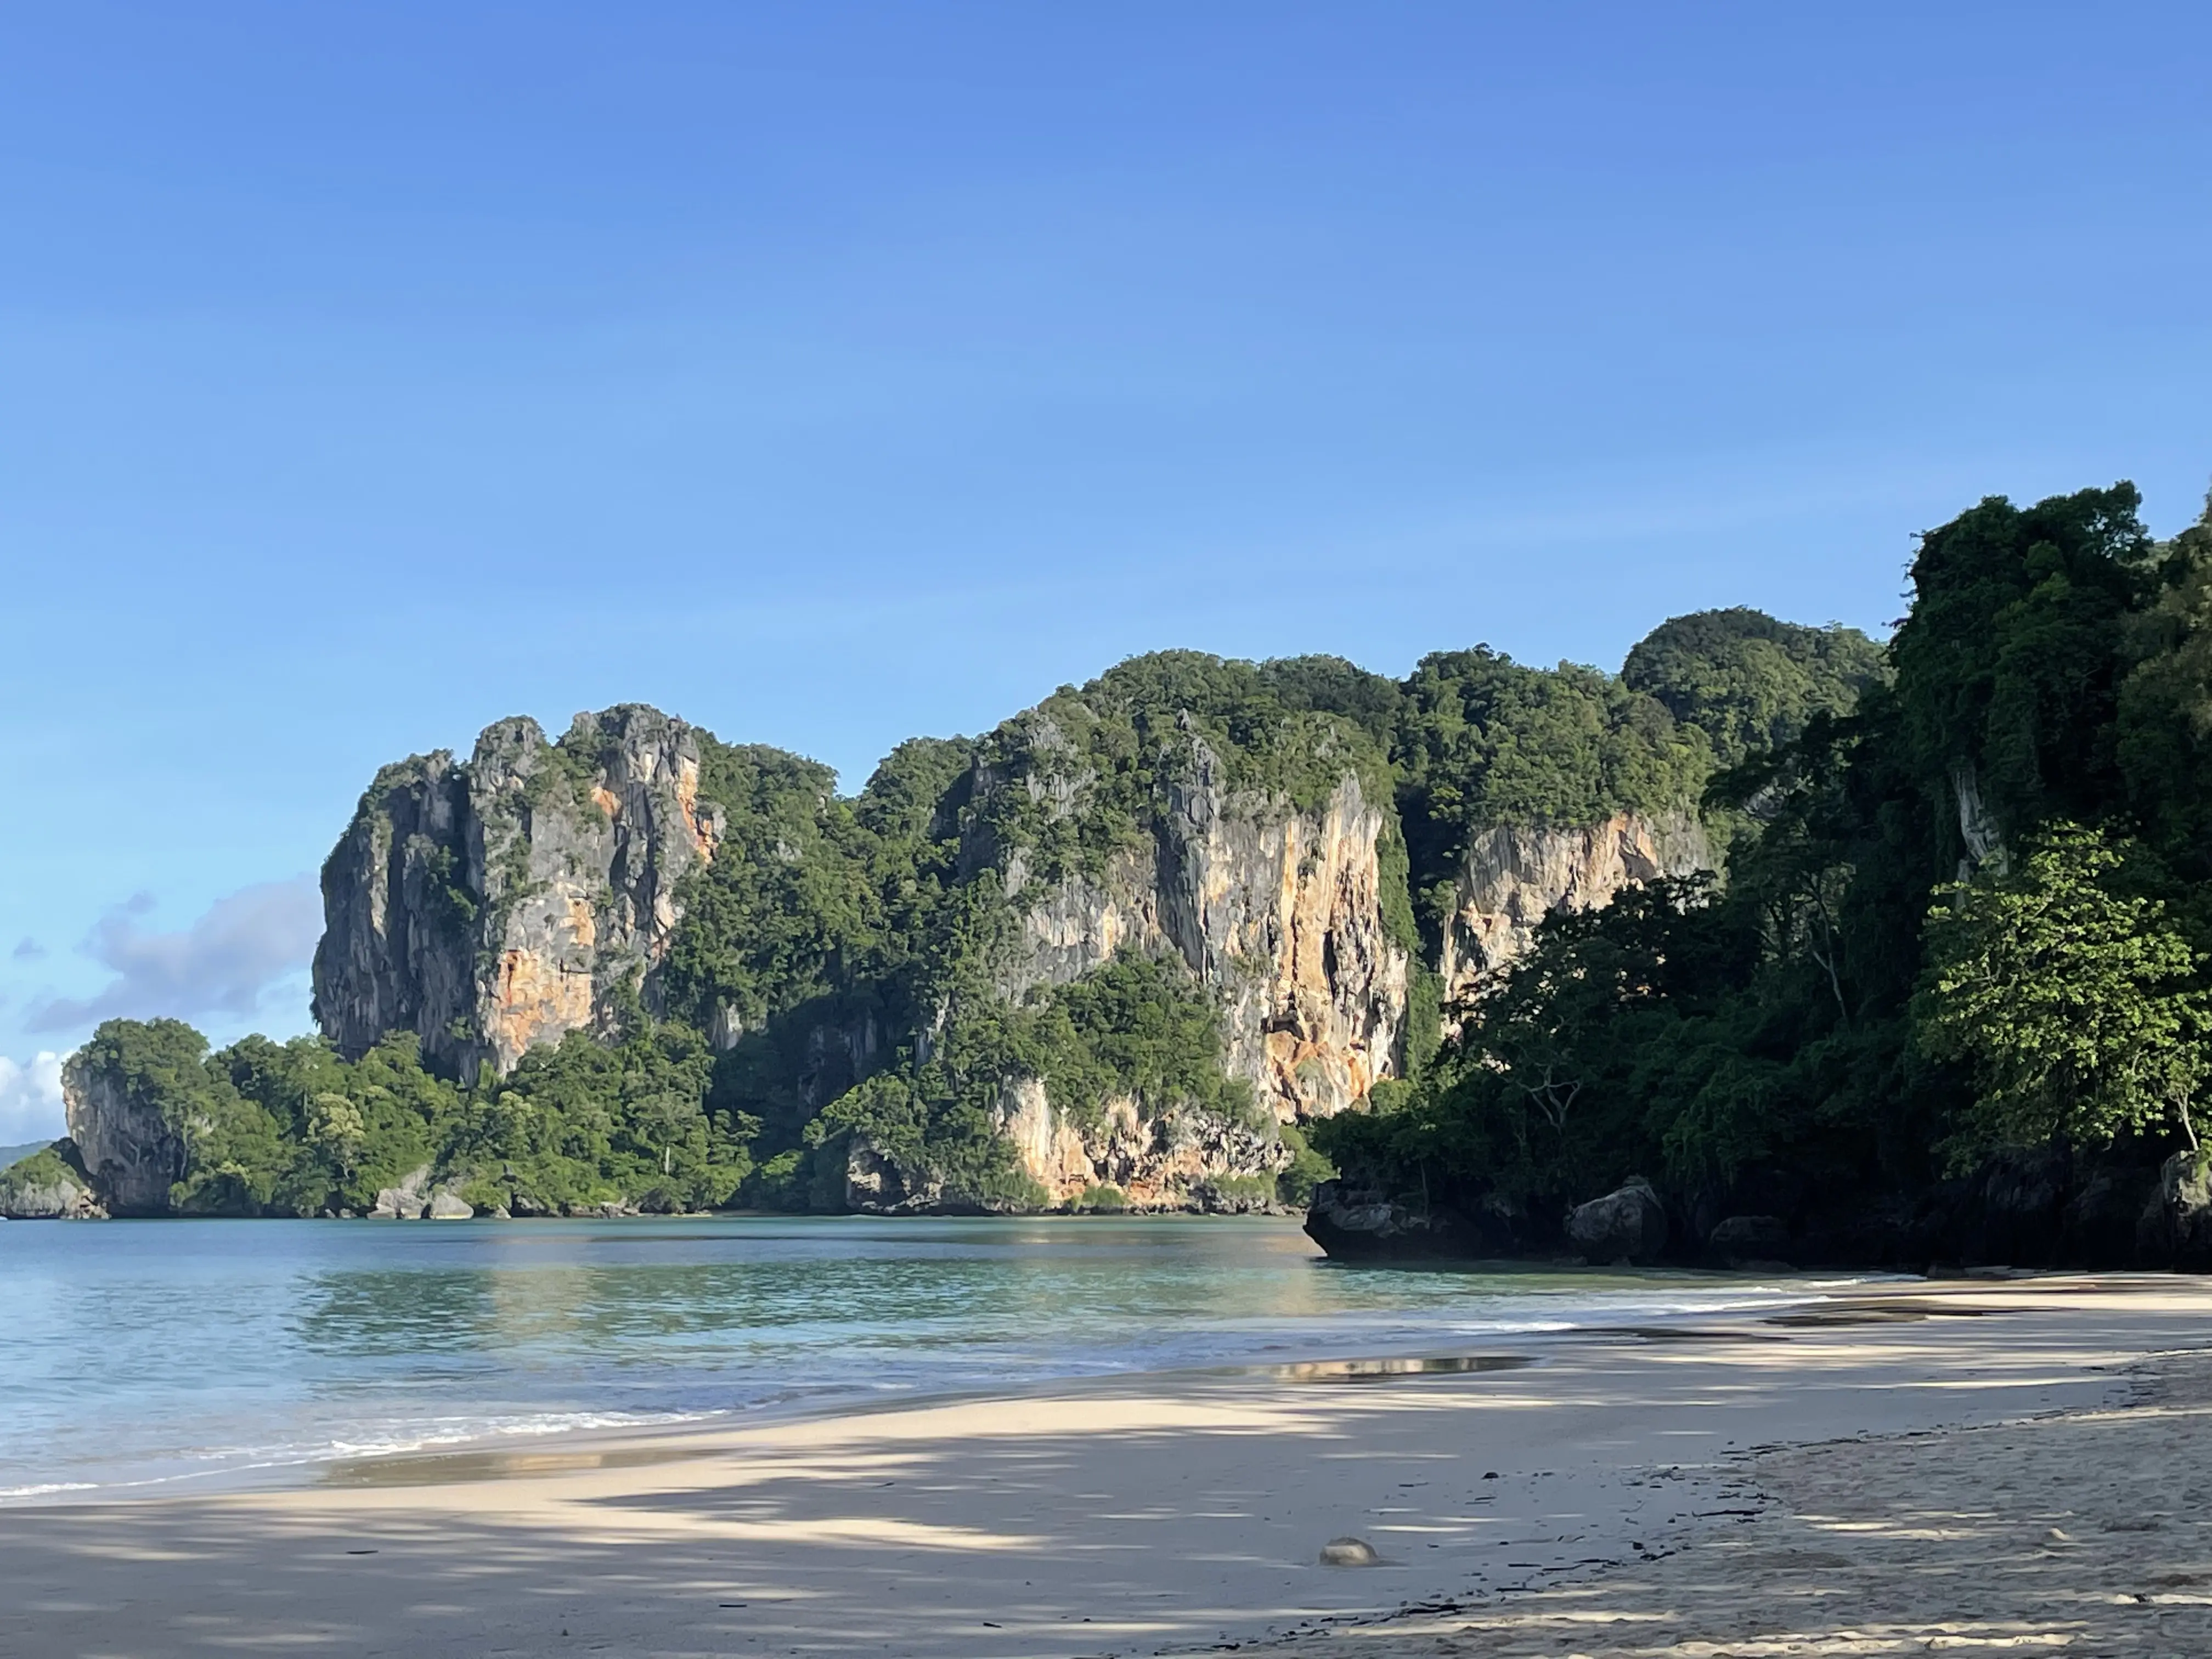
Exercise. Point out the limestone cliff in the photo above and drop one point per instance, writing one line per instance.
(1513, 876)
(496, 905)
(1178, 1158)
(131, 1148)
(540, 888)
(1280, 912)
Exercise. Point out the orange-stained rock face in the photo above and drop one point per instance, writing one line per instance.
(1050, 1149)
(702, 824)
(533, 999)
(1339, 984)
(573, 884)
(1278, 912)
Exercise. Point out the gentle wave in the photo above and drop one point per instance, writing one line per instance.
(344, 1342)
(228, 1462)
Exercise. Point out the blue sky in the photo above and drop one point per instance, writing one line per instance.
(830, 374)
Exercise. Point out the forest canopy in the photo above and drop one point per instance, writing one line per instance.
(1969, 923)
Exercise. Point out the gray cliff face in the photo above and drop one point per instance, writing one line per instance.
(1277, 911)
(397, 952)
(131, 1151)
(492, 907)
(63, 1200)
(1514, 876)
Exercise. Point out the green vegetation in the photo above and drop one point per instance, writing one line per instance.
(1482, 740)
(1307, 1169)
(1083, 775)
(1749, 682)
(292, 1129)
(1966, 914)
(41, 1168)
(2076, 1006)
(11, 1156)
(1136, 1029)
(1968, 918)
(843, 998)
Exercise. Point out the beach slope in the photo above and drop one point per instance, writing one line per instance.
(1992, 1457)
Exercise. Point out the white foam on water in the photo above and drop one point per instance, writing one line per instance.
(439, 1434)
(346, 1343)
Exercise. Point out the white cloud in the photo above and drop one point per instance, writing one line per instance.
(241, 945)
(30, 1099)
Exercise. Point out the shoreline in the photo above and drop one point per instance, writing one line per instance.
(1306, 1355)
(1152, 1512)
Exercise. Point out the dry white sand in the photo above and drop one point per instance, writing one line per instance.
(1613, 1498)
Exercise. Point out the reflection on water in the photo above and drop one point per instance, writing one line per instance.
(1880, 1313)
(1376, 1371)
(150, 1352)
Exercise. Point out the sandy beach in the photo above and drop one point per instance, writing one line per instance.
(2004, 1465)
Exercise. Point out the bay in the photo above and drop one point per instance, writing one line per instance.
(149, 1357)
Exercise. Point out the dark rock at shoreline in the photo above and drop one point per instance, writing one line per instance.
(2176, 1223)
(2024, 1209)
(1627, 1225)
(1354, 1226)
(1746, 1240)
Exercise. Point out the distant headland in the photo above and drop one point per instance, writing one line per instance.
(1779, 945)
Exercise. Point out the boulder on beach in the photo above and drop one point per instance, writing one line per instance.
(1744, 1239)
(405, 1202)
(1627, 1225)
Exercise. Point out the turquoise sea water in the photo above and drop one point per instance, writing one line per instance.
(150, 1357)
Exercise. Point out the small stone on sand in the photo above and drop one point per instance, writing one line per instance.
(1349, 1553)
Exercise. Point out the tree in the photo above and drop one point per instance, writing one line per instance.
(336, 1126)
(2165, 721)
(1553, 1025)
(2076, 1006)
(1750, 682)
(2008, 665)
(666, 1120)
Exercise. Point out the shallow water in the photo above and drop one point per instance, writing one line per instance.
(136, 1358)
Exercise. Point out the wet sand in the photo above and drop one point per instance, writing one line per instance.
(1965, 1465)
